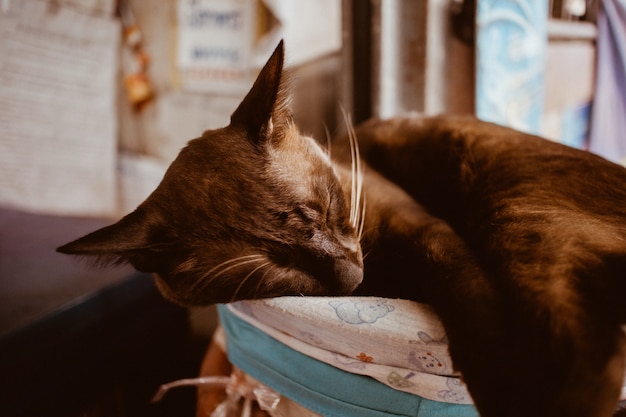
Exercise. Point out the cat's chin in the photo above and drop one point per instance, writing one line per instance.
(285, 281)
(291, 281)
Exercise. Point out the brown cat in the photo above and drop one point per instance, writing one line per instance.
(518, 243)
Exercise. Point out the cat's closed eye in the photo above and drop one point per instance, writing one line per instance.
(312, 212)
(307, 213)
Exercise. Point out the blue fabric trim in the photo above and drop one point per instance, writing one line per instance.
(322, 388)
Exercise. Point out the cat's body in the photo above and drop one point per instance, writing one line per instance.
(518, 243)
(536, 248)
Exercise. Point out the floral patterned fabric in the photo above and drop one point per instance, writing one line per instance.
(397, 342)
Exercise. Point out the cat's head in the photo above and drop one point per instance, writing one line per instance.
(251, 210)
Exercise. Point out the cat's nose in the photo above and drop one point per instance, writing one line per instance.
(348, 275)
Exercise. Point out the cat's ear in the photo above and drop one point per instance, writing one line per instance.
(116, 241)
(264, 107)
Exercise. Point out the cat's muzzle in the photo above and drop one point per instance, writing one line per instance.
(348, 276)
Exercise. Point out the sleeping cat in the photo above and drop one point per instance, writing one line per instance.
(519, 244)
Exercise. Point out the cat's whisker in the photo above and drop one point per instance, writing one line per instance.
(226, 266)
(357, 199)
(262, 279)
(358, 180)
(352, 167)
(361, 220)
(356, 173)
(328, 140)
(246, 278)
(233, 260)
(354, 200)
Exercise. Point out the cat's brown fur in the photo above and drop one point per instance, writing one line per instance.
(545, 234)
(518, 243)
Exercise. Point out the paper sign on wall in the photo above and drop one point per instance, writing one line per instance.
(58, 124)
(215, 42)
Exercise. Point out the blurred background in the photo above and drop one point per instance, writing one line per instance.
(98, 96)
